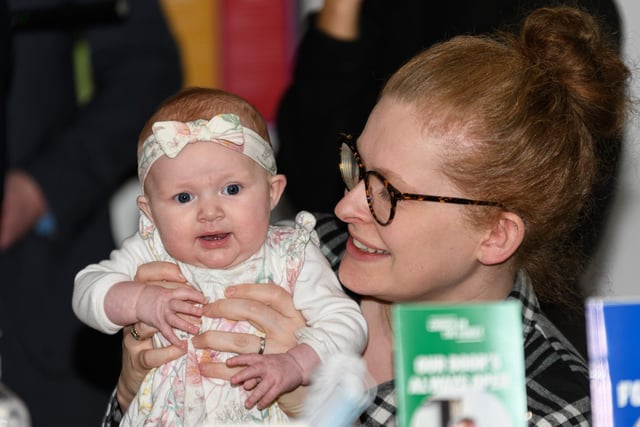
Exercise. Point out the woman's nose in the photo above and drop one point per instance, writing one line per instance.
(353, 206)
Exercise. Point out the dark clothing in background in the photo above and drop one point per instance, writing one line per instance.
(79, 156)
(5, 67)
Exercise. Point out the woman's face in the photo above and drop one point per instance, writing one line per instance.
(428, 252)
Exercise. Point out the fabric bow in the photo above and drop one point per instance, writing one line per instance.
(168, 138)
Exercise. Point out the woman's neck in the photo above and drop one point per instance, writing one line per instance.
(379, 351)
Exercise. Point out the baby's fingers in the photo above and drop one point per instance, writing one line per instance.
(245, 359)
(217, 370)
(179, 323)
(186, 308)
(172, 338)
(189, 294)
(250, 384)
(263, 395)
(245, 375)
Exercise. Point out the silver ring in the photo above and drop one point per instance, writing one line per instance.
(263, 342)
(134, 333)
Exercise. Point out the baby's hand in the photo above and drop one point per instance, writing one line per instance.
(268, 375)
(163, 307)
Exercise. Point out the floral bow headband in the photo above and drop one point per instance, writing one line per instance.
(170, 137)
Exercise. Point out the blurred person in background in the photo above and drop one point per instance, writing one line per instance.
(71, 133)
(5, 68)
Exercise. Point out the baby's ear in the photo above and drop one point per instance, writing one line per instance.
(278, 183)
(143, 204)
(503, 239)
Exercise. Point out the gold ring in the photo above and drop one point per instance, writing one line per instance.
(134, 333)
(263, 342)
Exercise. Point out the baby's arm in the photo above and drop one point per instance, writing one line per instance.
(160, 306)
(335, 323)
(94, 282)
(271, 375)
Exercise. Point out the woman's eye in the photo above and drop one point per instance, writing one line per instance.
(183, 198)
(384, 195)
(231, 189)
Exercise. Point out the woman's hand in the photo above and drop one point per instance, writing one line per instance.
(138, 354)
(161, 273)
(138, 357)
(270, 309)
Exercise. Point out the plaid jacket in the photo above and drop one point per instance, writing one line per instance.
(557, 377)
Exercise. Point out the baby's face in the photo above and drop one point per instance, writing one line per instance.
(210, 204)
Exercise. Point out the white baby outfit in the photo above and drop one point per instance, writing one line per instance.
(176, 394)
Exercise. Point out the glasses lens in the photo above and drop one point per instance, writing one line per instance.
(349, 167)
(379, 198)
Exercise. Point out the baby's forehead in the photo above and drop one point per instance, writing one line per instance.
(200, 159)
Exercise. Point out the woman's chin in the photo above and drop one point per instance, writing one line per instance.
(354, 277)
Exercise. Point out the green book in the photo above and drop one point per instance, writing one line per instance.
(459, 365)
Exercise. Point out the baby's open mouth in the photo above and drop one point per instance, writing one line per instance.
(213, 237)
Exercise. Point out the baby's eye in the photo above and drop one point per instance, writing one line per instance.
(183, 198)
(231, 189)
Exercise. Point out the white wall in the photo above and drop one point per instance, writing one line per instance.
(616, 269)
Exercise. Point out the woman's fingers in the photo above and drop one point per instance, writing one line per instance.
(268, 307)
(138, 357)
(159, 356)
(279, 330)
(132, 373)
(218, 370)
(139, 332)
(141, 354)
(159, 271)
(233, 342)
(256, 312)
(269, 294)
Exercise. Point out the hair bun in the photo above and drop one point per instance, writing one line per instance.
(560, 38)
(568, 47)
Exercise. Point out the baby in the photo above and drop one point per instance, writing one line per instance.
(209, 182)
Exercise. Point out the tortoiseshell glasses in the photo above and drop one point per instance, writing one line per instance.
(383, 197)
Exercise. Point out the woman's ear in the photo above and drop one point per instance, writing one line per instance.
(143, 204)
(278, 183)
(502, 240)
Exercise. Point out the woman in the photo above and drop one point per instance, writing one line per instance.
(503, 133)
